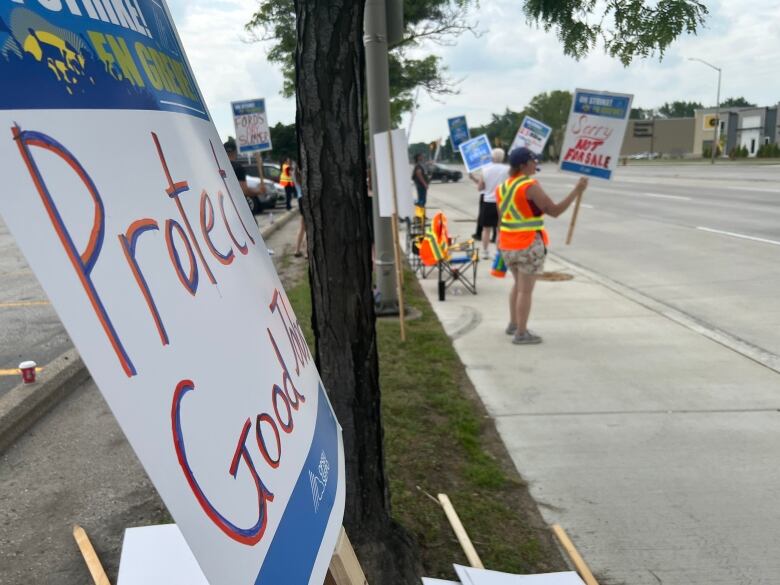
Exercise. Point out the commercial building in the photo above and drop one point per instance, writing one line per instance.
(739, 127)
(669, 137)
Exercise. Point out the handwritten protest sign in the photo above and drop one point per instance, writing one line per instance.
(459, 131)
(251, 123)
(532, 134)
(476, 153)
(594, 133)
(143, 241)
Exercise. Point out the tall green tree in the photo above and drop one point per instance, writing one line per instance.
(679, 109)
(627, 28)
(285, 141)
(431, 21)
(737, 102)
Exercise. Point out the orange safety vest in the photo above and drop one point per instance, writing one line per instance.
(285, 180)
(434, 245)
(518, 224)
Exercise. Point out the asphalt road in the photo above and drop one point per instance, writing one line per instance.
(703, 240)
(29, 326)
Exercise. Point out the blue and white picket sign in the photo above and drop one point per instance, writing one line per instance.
(532, 134)
(594, 133)
(251, 123)
(117, 190)
(476, 153)
(459, 131)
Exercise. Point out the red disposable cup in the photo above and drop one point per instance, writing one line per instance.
(28, 372)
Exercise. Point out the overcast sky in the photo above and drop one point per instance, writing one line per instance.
(505, 67)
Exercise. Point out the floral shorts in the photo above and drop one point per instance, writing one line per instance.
(529, 260)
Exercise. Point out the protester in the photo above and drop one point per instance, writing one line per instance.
(238, 169)
(420, 179)
(286, 181)
(477, 235)
(522, 240)
(493, 175)
(300, 243)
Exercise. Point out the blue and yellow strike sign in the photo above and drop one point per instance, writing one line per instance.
(102, 54)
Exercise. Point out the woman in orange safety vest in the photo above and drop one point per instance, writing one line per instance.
(522, 238)
(286, 181)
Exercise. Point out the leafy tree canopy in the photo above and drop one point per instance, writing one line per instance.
(678, 109)
(438, 21)
(737, 102)
(628, 28)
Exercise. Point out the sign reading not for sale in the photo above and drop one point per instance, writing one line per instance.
(594, 133)
(119, 194)
(251, 122)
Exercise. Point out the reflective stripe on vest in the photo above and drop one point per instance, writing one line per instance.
(438, 253)
(517, 223)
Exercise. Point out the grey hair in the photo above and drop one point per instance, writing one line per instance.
(498, 155)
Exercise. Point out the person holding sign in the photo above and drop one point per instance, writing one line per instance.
(420, 179)
(492, 176)
(238, 169)
(522, 239)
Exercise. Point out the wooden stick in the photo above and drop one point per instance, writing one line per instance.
(576, 559)
(259, 163)
(573, 219)
(344, 567)
(90, 556)
(460, 532)
(399, 272)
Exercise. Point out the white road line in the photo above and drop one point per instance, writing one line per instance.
(587, 206)
(662, 196)
(757, 189)
(742, 236)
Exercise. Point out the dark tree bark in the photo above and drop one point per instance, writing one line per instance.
(329, 122)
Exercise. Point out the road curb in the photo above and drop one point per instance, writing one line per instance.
(25, 404)
(283, 220)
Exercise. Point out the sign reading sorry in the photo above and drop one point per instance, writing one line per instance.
(118, 192)
(594, 134)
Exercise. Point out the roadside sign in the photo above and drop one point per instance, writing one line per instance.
(532, 134)
(459, 131)
(594, 133)
(709, 121)
(395, 176)
(476, 153)
(121, 197)
(251, 123)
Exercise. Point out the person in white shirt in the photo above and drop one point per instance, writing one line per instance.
(493, 176)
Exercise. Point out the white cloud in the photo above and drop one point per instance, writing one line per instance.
(506, 66)
(226, 66)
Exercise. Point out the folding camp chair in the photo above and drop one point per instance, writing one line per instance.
(456, 262)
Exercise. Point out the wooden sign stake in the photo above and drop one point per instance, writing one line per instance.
(344, 566)
(90, 556)
(576, 559)
(396, 240)
(573, 219)
(460, 532)
(259, 163)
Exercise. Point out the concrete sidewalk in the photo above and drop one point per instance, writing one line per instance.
(654, 446)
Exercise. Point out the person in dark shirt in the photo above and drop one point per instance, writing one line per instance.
(238, 169)
(420, 181)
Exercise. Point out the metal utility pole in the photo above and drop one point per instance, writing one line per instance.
(716, 142)
(378, 14)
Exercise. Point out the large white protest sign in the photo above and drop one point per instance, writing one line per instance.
(471, 576)
(251, 123)
(594, 133)
(532, 134)
(118, 192)
(393, 177)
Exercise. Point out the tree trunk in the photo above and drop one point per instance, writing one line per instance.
(337, 212)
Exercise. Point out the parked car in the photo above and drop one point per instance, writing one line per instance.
(645, 156)
(439, 172)
(274, 192)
